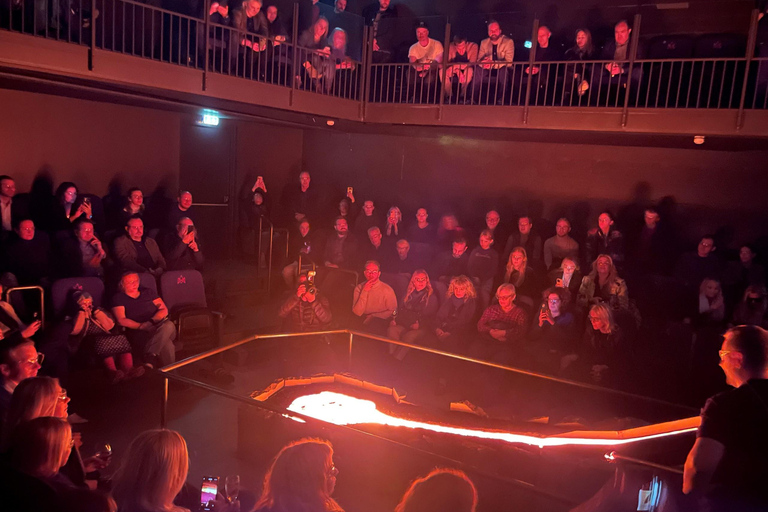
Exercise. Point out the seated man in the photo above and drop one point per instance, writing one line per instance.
(368, 219)
(306, 310)
(490, 81)
(694, 266)
(377, 249)
(374, 301)
(27, 255)
(83, 255)
(302, 246)
(182, 248)
(453, 263)
(402, 264)
(482, 266)
(460, 54)
(560, 246)
(526, 239)
(502, 325)
(425, 57)
(340, 248)
(19, 360)
(183, 205)
(542, 91)
(137, 253)
(12, 210)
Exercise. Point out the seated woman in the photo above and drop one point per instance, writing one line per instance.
(163, 460)
(415, 313)
(145, 317)
(344, 83)
(502, 326)
(568, 276)
(29, 473)
(68, 208)
(93, 327)
(454, 318)
(43, 396)
(315, 53)
(442, 490)
(134, 205)
(603, 284)
(526, 280)
(394, 218)
(555, 331)
(601, 357)
(302, 477)
(753, 309)
(710, 310)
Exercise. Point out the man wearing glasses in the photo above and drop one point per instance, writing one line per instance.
(18, 361)
(374, 301)
(727, 464)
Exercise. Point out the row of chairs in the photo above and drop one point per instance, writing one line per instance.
(198, 327)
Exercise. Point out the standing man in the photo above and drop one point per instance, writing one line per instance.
(378, 16)
(11, 211)
(183, 204)
(727, 464)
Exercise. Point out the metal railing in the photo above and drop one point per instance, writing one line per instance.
(17, 289)
(203, 43)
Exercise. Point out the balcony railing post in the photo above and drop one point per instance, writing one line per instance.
(368, 70)
(751, 42)
(294, 64)
(531, 60)
(207, 46)
(364, 74)
(632, 56)
(93, 33)
(443, 71)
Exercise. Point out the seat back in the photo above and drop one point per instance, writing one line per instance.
(63, 289)
(147, 280)
(670, 47)
(713, 46)
(181, 288)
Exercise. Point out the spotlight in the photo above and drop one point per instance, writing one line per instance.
(698, 139)
(208, 118)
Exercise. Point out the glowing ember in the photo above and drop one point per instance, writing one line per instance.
(341, 409)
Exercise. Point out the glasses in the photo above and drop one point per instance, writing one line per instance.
(38, 359)
(369, 272)
(554, 301)
(723, 353)
(420, 279)
(63, 395)
(505, 297)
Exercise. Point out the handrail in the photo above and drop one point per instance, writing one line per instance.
(42, 299)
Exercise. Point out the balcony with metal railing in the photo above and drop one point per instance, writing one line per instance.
(212, 59)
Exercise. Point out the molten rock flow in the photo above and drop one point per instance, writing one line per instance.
(342, 409)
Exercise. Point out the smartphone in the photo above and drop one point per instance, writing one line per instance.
(190, 229)
(260, 178)
(208, 492)
(349, 190)
(87, 200)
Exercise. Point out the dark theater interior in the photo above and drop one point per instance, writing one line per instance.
(383, 255)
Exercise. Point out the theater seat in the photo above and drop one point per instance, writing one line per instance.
(198, 327)
(63, 289)
(670, 47)
(719, 46)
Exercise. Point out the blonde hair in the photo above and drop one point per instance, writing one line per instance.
(604, 313)
(398, 219)
(613, 274)
(296, 478)
(412, 285)
(508, 287)
(510, 268)
(562, 263)
(33, 398)
(462, 282)
(442, 490)
(705, 282)
(40, 447)
(153, 472)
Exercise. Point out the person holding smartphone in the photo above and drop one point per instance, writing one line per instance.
(182, 248)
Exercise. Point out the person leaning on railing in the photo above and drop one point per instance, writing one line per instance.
(425, 57)
(461, 54)
(495, 57)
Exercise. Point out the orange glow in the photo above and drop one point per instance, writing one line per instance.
(342, 409)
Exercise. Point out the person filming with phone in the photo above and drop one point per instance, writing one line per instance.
(306, 310)
(83, 255)
(182, 248)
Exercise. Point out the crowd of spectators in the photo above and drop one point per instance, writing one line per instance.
(503, 290)
(75, 235)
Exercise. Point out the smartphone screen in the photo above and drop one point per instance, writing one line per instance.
(349, 190)
(190, 229)
(208, 492)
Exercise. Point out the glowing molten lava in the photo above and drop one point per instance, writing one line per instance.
(341, 409)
